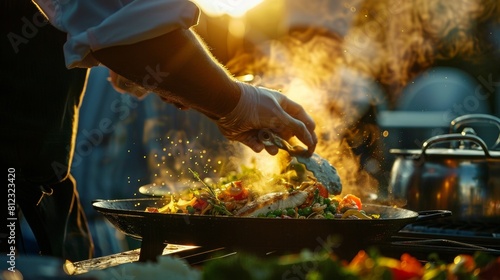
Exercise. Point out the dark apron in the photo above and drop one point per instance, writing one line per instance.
(39, 114)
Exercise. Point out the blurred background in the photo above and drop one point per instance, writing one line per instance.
(375, 75)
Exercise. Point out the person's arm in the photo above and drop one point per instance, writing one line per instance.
(178, 67)
(149, 42)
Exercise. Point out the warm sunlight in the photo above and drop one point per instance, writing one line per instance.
(234, 8)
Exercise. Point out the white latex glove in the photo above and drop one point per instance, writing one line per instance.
(260, 108)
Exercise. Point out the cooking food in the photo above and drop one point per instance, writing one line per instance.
(197, 217)
(324, 172)
(271, 202)
(280, 234)
(310, 200)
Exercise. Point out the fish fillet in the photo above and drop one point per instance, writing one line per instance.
(272, 201)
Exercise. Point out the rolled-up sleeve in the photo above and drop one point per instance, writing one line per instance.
(95, 24)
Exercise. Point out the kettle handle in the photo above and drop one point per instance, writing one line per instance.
(476, 118)
(455, 137)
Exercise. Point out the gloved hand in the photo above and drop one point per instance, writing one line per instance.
(259, 108)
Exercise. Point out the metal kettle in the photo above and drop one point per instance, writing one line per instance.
(463, 177)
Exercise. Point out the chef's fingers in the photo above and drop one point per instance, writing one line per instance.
(253, 142)
(302, 125)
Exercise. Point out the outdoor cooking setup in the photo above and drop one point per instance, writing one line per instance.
(259, 235)
(417, 228)
(439, 173)
(414, 228)
(445, 192)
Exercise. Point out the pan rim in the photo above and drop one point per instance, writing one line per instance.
(410, 214)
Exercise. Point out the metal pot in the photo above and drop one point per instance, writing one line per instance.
(463, 178)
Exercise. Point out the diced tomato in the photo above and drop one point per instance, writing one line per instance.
(406, 268)
(350, 201)
(402, 274)
(200, 204)
(409, 268)
(236, 190)
(322, 190)
(152, 209)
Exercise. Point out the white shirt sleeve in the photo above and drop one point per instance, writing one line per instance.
(95, 24)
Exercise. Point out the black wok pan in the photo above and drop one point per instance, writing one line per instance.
(252, 234)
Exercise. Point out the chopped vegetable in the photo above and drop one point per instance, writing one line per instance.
(170, 207)
(365, 265)
(355, 213)
(217, 206)
(236, 190)
(190, 209)
(350, 201)
(200, 204)
(323, 192)
(308, 200)
(152, 209)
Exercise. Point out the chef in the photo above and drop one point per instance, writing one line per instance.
(148, 43)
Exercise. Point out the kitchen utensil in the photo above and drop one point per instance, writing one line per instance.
(465, 180)
(322, 170)
(249, 233)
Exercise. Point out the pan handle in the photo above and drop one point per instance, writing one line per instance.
(432, 214)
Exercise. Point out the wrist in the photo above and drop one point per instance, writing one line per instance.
(220, 103)
(227, 103)
(237, 114)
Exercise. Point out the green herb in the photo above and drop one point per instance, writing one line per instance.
(190, 209)
(316, 198)
(217, 205)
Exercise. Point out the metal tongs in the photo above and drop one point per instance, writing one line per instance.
(324, 172)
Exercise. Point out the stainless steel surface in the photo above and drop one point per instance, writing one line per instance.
(322, 170)
(461, 121)
(81, 267)
(465, 180)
